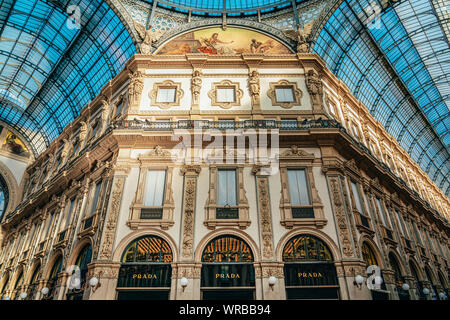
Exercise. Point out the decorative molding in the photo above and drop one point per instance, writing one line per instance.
(190, 193)
(265, 218)
(339, 211)
(238, 94)
(296, 92)
(167, 84)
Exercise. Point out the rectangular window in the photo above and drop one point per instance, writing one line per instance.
(402, 225)
(284, 94)
(227, 195)
(95, 198)
(154, 188)
(119, 108)
(357, 197)
(382, 212)
(298, 187)
(49, 224)
(69, 212)
(416, 232)
(76, 145)
(166, 95)
(94, 130)
(226, 95)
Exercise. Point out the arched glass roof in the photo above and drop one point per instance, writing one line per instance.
(231, 7)
(396, 61)
(50, 67)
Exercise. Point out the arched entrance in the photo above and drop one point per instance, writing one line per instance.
(33, 283)
(434, 295)
(417, 282)
(17, 286)
(146, 271)
(4, 286)
(378, 291)
(309, 270)
(83, 259)
(399, 279)
(53, 278)
(227, 270)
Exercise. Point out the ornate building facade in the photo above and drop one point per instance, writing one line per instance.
(213, 167)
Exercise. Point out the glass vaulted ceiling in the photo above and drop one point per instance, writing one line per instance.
(397, 63)
(49, 70)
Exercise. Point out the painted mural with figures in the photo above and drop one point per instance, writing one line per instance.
(216, 41)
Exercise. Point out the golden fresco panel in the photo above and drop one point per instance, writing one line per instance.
(216, 41)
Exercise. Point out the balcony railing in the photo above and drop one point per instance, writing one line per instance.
(302, 212)
(151, 213)
(227, 213)
(223, 125)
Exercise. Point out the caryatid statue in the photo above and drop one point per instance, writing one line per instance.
(315, 89)
(253, 84)
(196, 85)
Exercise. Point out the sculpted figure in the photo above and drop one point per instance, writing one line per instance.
(315, 87)
(148, 36)
(300, 36)
(196, 85)
(253, 84)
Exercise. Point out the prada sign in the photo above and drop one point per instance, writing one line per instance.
(144, 275)
(310, 274)
(228, 275)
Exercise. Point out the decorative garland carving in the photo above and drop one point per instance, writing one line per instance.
(190, 192)
(265, 217)
(339, 211)
(110, 228)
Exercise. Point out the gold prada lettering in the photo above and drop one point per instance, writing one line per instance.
(228, 276)
(310, 275)
(144, 276)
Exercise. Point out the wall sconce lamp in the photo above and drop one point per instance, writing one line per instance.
(94, 282)
(184, 282)
(23, 295)
(426, 291)
(6, 298)
(44, 291)
(405, 286)
(359, 279)
(272, 281)
(442, 296)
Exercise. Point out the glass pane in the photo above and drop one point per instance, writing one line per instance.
(227, 188)
(96, 195)
(356, 196)
(154, 189)
(166, 95)
(284, 94)
(298, 189)
(225, 95)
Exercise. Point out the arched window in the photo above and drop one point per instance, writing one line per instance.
(309, 271)
(396, 268)
(53, 278)
(417, 282)
(227, 270)
(18, 285)
(146, 263)
(4, 196)
(83, 259)
(306, 248)
(148, 249)
(227, 249)
(430, 279)
(368, 255)
(5, 285)
(33, 283)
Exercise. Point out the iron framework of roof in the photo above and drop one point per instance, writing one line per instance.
(396, 62)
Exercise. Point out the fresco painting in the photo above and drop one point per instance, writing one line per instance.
(14, 145)
(216, 41)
